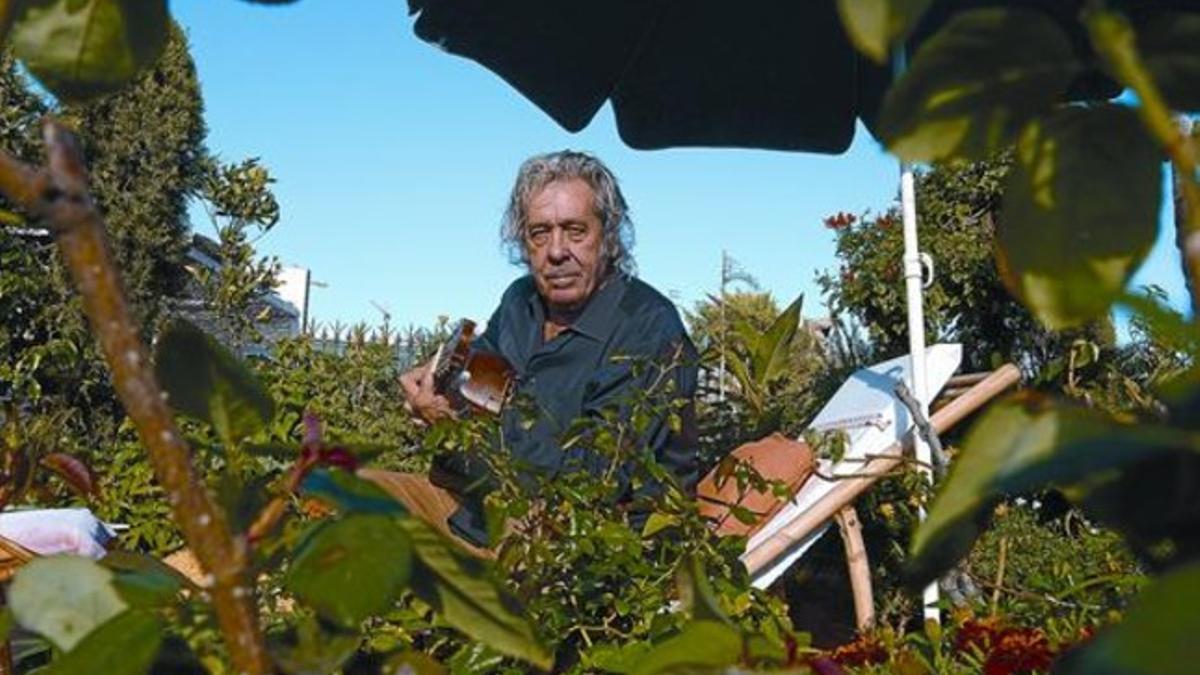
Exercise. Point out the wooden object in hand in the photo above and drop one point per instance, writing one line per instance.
(472, 379)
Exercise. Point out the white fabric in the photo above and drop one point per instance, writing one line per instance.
(866, 408)
(55, 531)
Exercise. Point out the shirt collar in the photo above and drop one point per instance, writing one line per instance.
(599, 316)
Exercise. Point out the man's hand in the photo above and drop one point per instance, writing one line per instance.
(420, 396)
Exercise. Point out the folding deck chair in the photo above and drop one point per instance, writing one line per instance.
(878, 428)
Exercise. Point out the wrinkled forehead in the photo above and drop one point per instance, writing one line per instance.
(559, 200)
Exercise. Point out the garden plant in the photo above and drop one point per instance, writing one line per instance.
(308, 568)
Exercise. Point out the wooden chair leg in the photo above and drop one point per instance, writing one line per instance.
(859, 568)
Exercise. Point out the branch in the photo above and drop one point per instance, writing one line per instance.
(925, 429)
(58, 197)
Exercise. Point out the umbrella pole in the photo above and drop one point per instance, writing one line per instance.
(913, 281)
(915, 301)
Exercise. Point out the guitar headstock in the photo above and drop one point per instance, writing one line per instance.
(451, 355)
(468, 378)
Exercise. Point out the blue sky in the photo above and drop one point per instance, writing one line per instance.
(394, 161)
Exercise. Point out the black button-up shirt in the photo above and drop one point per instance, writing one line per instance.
(617, 346)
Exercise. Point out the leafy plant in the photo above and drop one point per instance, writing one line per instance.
(1087, 176)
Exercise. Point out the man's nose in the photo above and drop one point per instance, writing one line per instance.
(558, 251)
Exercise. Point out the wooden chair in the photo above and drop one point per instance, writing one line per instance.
(787, 528)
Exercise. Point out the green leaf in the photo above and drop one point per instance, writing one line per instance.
(1024, 443)
(63, 598)
(206, 381)
(749, 386)
(744, 515)
(1080, 212)
(701, 644)
(771, 352)
(143, 581)
(1157, 635)
(312, 648)
(461, 590)
(876, 26)
(696, 593)
(80, 49)
(1170, 46)
(657, 522)
(127, 562)
(970, 89)
(412, 663)
(349, 493)
(352, 568)
(125, 645)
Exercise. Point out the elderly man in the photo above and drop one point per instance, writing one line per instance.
(574, 329)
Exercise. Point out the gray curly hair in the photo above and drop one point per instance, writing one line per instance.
(539, 171)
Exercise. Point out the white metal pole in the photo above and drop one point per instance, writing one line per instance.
(913, 280)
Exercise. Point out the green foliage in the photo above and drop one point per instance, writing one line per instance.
(1164, 616)
(460, 590)
(64, 598)
(968, 302)
(1021, 445)
(775, 369)
(875, 25)
(354, 392)
(143, 146)
(365, 552)
(593, 577)
(81, 49)
(1079, 214)
(964, 97)
(1076, 166)
(238, 201)
(700, 645)
(1167, 42)
(204, 380)
(1058, 570)
(125, 645)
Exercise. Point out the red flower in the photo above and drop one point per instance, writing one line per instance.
(1019, 650)
(1008, 650)
(864, 651)
(339, 457)
(840, 220)
(977, 634)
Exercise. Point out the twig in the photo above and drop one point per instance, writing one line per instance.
(1030, 595)
(1002, 559)
(924, 428)
(58, 197)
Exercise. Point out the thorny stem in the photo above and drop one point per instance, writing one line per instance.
(1114, 41)
(58, 197)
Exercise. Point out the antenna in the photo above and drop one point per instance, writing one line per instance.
(383, 309)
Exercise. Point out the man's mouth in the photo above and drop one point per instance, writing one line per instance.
(561, 280)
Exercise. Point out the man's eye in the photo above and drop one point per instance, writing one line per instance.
(539, 235)
(578, 233)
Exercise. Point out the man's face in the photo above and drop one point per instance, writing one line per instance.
(565, 244)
